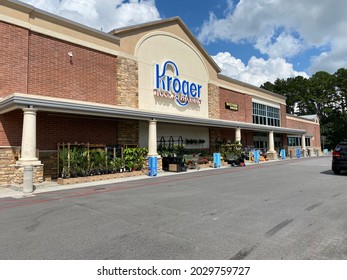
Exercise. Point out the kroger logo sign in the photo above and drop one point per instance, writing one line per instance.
(171, 86)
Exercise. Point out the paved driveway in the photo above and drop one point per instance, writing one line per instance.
(293, 209)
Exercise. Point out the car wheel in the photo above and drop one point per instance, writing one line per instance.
(337, 171)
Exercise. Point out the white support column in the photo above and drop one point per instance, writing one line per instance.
(303, 145)
(271, 141)
(271, 153)
(152, 138)
(238, 134)
(28, 149)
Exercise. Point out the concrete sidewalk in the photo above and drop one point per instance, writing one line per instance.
(50, 186)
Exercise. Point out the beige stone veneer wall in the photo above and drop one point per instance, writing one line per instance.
(8, 158)
(127, 83)
(12, 174)
(213, 101)
(19, 175)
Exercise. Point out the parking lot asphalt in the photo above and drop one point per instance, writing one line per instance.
(293, 209)
(50, 186)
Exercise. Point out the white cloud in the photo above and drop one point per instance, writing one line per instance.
(284, 29)
(333, 59)
(101, 14)
(257, 71)
(284, 45)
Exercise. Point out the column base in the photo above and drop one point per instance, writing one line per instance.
(272, 155)
(19, 173)
(28, 162)
(153, 155)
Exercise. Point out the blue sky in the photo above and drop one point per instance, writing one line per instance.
(251, 40)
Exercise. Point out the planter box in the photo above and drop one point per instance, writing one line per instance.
(205, 165)
(174, 167)
(78, 180)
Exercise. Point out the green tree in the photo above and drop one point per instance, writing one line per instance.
(323, 94)
(341, 89)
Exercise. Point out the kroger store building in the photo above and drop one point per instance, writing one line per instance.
(63, 82)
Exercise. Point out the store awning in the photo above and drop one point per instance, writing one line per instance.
(69, 106)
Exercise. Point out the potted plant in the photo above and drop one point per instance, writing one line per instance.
(98, 161)
(231, 152)
(141, 154)
(134, 158)
(116, 165)
(63, 163)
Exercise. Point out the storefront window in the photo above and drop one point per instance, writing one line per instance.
(266, 115)
(296, 141)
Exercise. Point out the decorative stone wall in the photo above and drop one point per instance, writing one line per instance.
(127, 83)
(19, 175)
(159, 164)
(12, 174)
(213, 101)
(8, 158)
(272, 155)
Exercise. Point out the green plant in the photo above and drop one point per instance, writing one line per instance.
(64, 171)
(134, 158)
(98, 161)
(116, 164)
(175, 150)
(74, 159)
(230, 148)
(178, 151)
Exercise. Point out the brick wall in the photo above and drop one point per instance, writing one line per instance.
(13, 59)
(283, 115)
(247, 138)
(49, 159)
(128, 132)
(215, 134)
(213, 101)
(127, 83)
(249, 109)
(11, 128)
(311, 130)
(284, 141)
(229, 134)
(89, 76)
(244, 102)
(58, 128)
